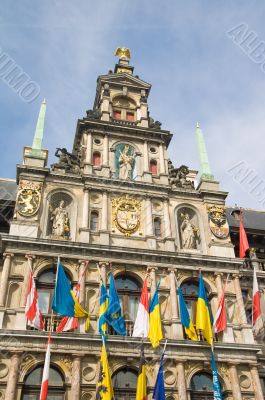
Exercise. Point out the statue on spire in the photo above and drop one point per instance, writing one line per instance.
(123, 53)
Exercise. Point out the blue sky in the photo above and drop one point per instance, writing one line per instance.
(196, 71)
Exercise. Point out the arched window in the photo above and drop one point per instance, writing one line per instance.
(96, 159)
(129, 291)
(157, 227)
(190, 290)
(201, 386)
(94, 221)
(153, 167)
(124, 384)
(32, 384)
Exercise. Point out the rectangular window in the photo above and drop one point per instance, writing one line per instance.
(130, 117)
(117, 114)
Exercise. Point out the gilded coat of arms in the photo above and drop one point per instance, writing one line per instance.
(126, 214)
(218, 222)
(28, 198)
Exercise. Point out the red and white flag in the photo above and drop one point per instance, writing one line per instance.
(32, 310)
(69, 323)
(46, 371)
(141, 325)
(243, 240)
(257, 322)
(219, 322)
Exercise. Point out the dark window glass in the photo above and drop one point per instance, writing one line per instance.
(94, 221)
(96, 159)
(157, 227)
(31, 387)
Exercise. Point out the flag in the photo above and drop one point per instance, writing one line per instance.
(159, 390)
(104, 385)
(155, 328)
(257, 322)
(113, 315)
(141, 325)
(46, 370)
(203, 314)
(141, 389)
(69, 323)
(64, 301)
(32, 310)
(103, 305)
(219, 323)
(217, 393)
(243, 240)
(185, 318)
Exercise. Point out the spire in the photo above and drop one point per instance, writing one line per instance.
(38, 136)
(205, 169)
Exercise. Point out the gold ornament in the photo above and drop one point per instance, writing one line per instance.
(218, 222)
(28, 198)
(126, 214)
(123, 53)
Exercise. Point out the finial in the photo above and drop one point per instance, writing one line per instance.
(197, 125)
(123, 53)
(205, 169)
(38, 136)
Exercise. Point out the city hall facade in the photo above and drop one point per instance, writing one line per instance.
(117, 202)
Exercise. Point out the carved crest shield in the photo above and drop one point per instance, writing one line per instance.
(218, 222)
(126, 214)
(28, 198)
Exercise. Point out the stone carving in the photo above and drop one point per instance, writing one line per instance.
(94, 114)
(67, 161)
(218, 222)
(89, 374)
(60, 221)
(28, 198)
(126, 163)
(3, 370)
(178, 176)
(154, 124)
(126, 215)
(189, 232)
(106, 91)
(66, 362)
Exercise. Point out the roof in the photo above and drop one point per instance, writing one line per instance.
(8, 189)
(252, 219)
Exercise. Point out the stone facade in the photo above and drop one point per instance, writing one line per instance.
(122, 213)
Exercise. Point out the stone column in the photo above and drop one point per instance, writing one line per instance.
(161, 159)
(239, 298)
(153, 281)
(146, 158)
(219, 285)
(82, 279)
(103, 272)
(89, 147)
(28, 268)
(11, 386)
(167, 230)
(76, 378)
(256, 383)
(104, 212)
(4, 278)
(181, 381)
(148, 217)
(177, 330)
(85, 208)
(106, 150)
(235, 382)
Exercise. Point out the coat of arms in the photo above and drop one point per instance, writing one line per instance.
(28, 198)
(126, 214)
(218, 222)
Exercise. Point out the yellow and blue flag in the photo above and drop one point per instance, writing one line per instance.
(64, 301)
(104, 385)
(159, 390)
(113, 315)
(155, 328)
(185, 317)
(103, 305)
(141, 389)
(217, 392)
(203, 314)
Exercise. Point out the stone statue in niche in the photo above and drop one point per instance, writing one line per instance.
(178, 176)
(67, 161)
(189, 232)
(126, 162)
(60, 221)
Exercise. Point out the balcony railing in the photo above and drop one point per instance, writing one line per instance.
(50, 323)
(248, 264)
(129, 328)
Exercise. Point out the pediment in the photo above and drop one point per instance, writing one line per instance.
(124, 79)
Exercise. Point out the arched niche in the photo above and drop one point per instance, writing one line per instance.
(13, 297)
(61, 216)
(188, 228)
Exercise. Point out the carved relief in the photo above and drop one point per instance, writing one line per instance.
(28, 198)
(89, 374)
(218, 222)
(66, 362)
(126, 215)
(3, 370)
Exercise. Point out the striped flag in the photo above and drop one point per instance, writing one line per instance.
(141, 390)
(219, 323)
(141, 325)
(46, 370)
(257, 322)
(32, 310)
(243, 240)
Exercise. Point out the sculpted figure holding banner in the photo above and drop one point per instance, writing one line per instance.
(126, 162)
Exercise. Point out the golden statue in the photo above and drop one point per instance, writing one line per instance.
(123, 53)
